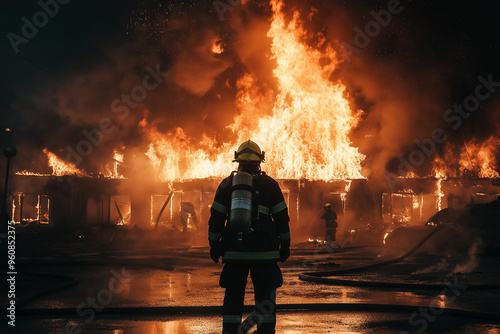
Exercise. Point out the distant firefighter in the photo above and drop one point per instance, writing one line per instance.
(330, 218)
(248, 227)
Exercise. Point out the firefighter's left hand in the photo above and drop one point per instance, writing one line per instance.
(214, 254)
(284, 253)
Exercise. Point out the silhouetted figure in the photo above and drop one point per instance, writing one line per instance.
(330, 218)
(255, 237)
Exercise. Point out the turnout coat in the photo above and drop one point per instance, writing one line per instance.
(270, 220)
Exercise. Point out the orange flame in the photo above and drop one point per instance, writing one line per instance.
(306, 136)
(474, 159)
(479, 157)
(217, 47)
(439, 193)
(440, 174)
(60, 168)
(113, 172)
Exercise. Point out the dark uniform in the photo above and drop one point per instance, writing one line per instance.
(256, 252)
(330, 218)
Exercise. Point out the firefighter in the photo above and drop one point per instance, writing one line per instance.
(330, 218)
(249, 229)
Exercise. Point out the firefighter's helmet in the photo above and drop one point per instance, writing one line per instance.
(328, 207)
(250, 152)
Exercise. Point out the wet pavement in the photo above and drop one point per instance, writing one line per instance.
(132, 292)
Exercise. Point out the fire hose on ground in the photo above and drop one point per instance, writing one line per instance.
(321, 276)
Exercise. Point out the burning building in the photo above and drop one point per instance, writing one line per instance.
(287, 89)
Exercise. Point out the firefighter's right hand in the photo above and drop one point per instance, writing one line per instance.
(214, 254)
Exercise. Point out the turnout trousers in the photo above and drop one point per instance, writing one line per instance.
(330, 234)
(266, 277)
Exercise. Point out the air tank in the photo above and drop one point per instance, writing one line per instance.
(240, 218)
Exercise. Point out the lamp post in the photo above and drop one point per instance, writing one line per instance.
(9, 152)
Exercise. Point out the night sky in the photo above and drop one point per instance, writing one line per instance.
(65, 78)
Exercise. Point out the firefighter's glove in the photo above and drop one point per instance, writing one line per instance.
(214, 254)
(284, 253)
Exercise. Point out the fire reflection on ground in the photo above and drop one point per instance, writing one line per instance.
(192, 280)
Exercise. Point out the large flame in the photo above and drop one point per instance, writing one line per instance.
(474, 159)
(479, 157)
(305, 137)
(304, 126)
(307, 134)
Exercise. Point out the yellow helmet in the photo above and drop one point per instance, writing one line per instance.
(249, 151)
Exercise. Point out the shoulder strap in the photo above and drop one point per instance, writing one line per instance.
(231, 177)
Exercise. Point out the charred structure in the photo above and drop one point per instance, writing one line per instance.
(83, 202)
